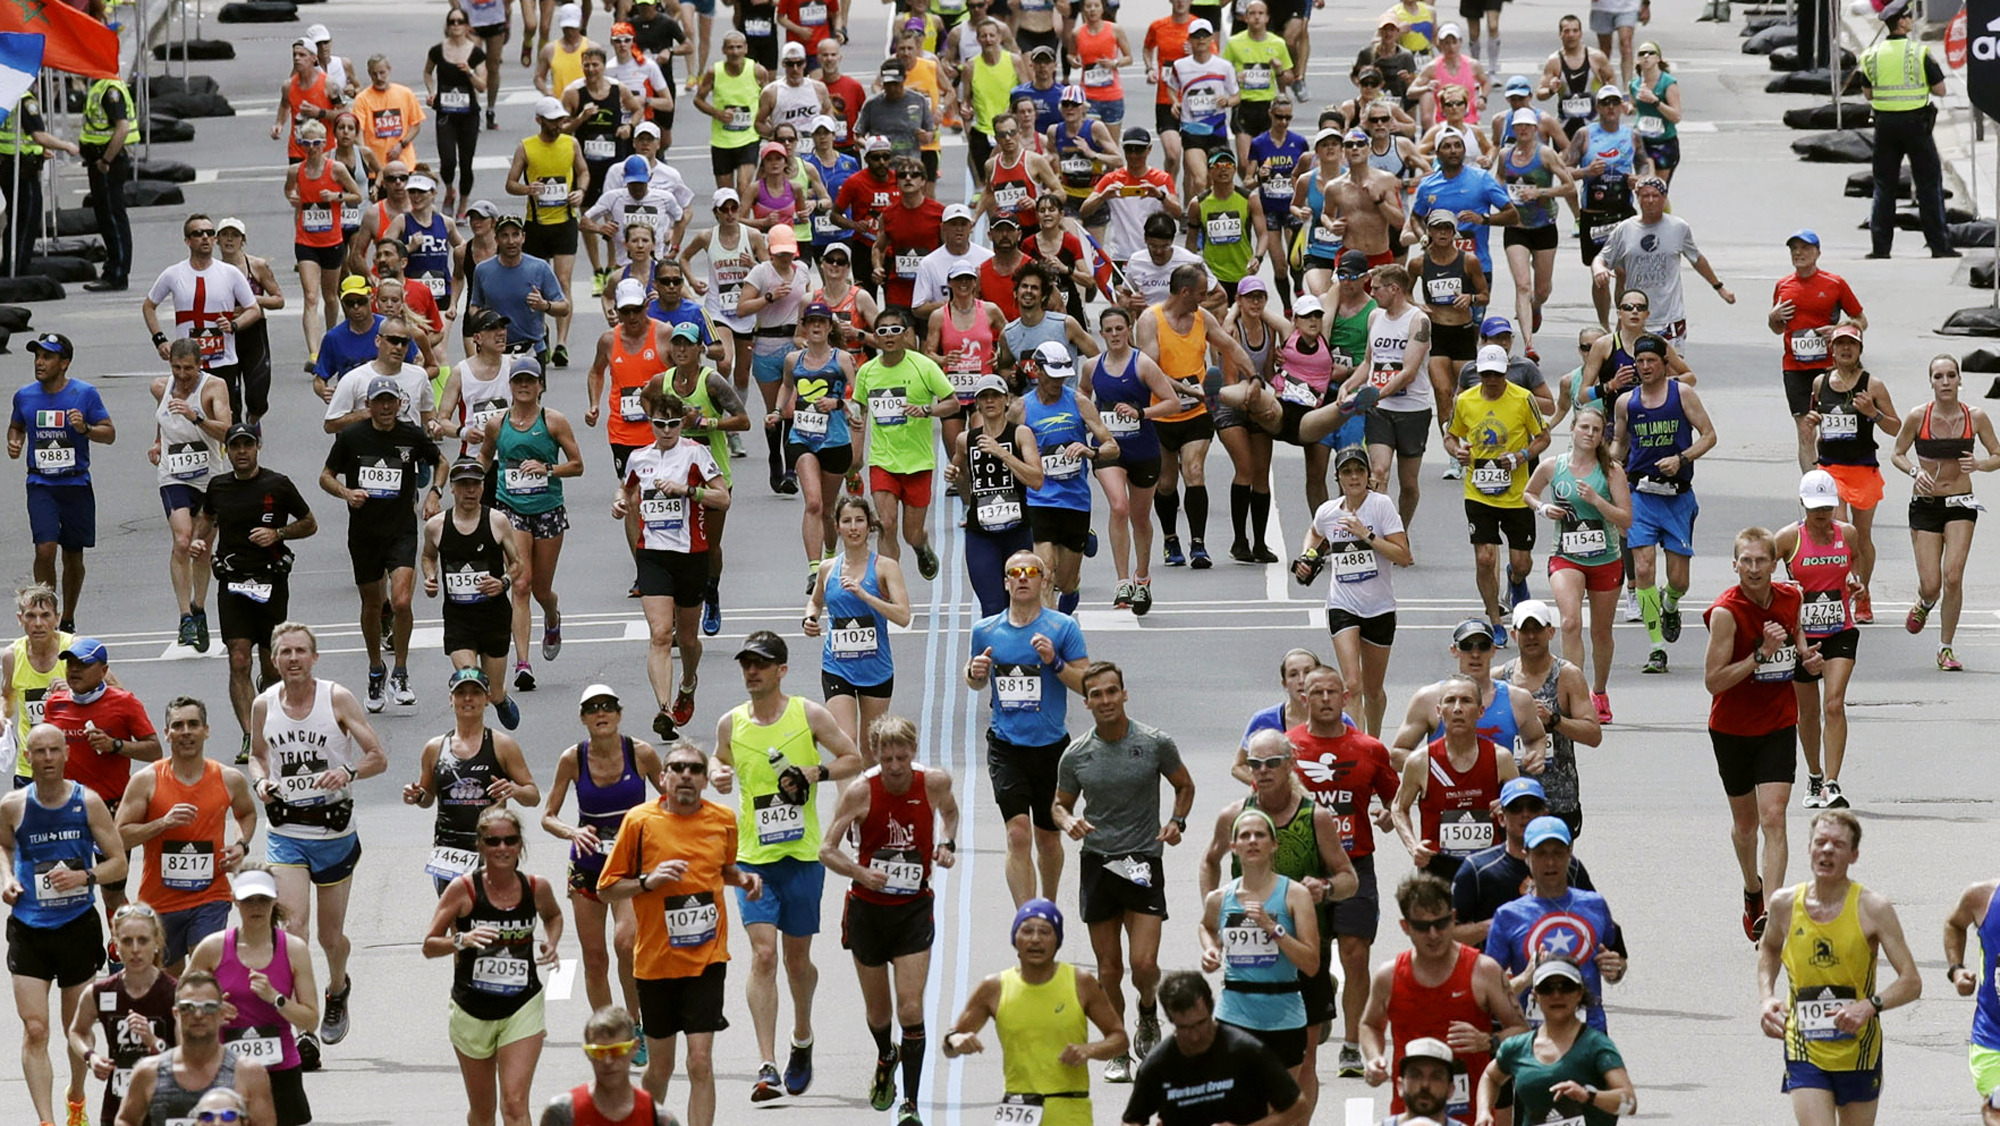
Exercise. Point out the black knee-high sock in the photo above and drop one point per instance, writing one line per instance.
(1239, 509)
(774, 442)
(913, 1060)
(1167, 506)
(1260, 514)
(1197, 510)
(881, 1036)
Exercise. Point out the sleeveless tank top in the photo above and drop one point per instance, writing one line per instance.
(1455, 811)
(1462, 78)
(765, 203)
(1584, 537)
(316, 223)
(825, 380)
(1184, 357)
(1845, 438)
(1934, 448)
(728, 266)
(1658, 432)
(31, 689)
(735, 95)
(1065, 477)
(1573, 103)
(1388, 340)
(776, 817)
(302, 750)
(631, 369)
(1260, 986)
(991, 83)
(493, 982)
(1099, 52)
(1827, 964)
(464, 558)
(430, 254)
(1321, 242)
(1518, 179)
(551, 172)
(997, 495)
(173, 1103)
(188, 456)
(1037, 1022)
(600, 118)
(583, 1112)
(1559, 777)
(1079, 170)
(1137, 440)
(603, 808)
(111, 1001)
(482, 402)
(967, 352)
(1442, 282)
(527, 493)
(700, 399)
(1496, 720)
(897, 840)
(1821, 570)
(1301, 375)
(1226, 235)
(1417, 1011)
(566, 64)
(795, 104)
(1986, 1002)
(1011, 185)
(460, 784)
(1391, 162)
(848, 307)
(259, 1033)
(183, 867)
(48, 837)
(857, 635)
(298, 97)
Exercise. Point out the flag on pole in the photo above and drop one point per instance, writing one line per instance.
(20, 62)
(76, 43)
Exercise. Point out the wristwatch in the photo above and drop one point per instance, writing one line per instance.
(1875, 999)
(1179, 823)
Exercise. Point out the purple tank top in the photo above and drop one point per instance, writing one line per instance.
(603, 807)
(258, 1032)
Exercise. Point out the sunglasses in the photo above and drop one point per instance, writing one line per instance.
(910, 177)
(457, 23)
(669, 423)
(388, 179)
(594, 707)
(730, 206)
(1425, 926)
(1557, 985)
(1354, 144)
(1003, 134)
(1371, 83)
(667, 281)
(354, 299)
(1644, 54)
(226, 1114)
(396, 341)
(1024, 572)
(1631, 308)
(621, 39)
(617, 1051)
(1281, 117)
(788, 62)
(688, 767)
(889, 330)
(197, 1008)
(1469, 646)
(507, 841)
(1272, 763)
(312, 144)
(207, 232)
(1459, 104)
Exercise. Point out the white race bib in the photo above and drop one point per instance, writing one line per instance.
(383, 481)
(454, 101)
(1247, 947)
(1583, 541)
(778, 821)
(1299, 393)
(254, 591)
(59, 458)
(1573, 106)
(889, 406)
(1061, 464)
(299, 789)
(907, 262)
(599, 148)
(756, 28)
(1098, 74)
(1779, 666)
(1822, 613)
(1808, 345)
(185, 461)
(1256, 76)
(551, 192)
(809, 423)
(188, 865)
(852, 637)
(1815, 1018)
(463, 586)
(1118, 423)
(906, 874)
(1836, 425)
(1356, 563)
(812, 14)
(1019, 1113)
(736, 118)
(316, 218)
(1462, 832)
(449, 863)
(662, 513)
(630, 408)
(263, 1044)
(46, 894)
(499, 973)
(691, 919)
(1017, 687)
(998, 513)
(1649, 126)
(1490, 477)
(520, 482)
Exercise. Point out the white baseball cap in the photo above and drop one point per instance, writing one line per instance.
(550, 108)
(1450, 31)
(1307, 303)
(630, 292)
(1492, 357)
(1818, 489)
(1533, 610)
(1525, 116)
(957, 211)
(569, 15)
(319, 34)
(793, 50)
(597, 690)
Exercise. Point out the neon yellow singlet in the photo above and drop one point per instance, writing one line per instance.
(736, 96)
(768, 827)
(551, 176)
(1036, 1022)
(29, 687)
(1828, 963)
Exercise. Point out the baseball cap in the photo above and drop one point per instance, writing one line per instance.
(773, 148)
(645, 129)
(1496, 326)
(550, 108)
(782, 240)
(1471, 627)
(637, 169)
(232, 224)
(86, 651)
(630, 292)
(793, 50)
(1352, 264)
(485, 320)
(383, 385)
(1200, 27)
(467, 675)
(241, 430)
(55, 342)
(1609, 94)
(353, 284)
(1306, 306)
(467, 469)
(598, 692)
(1524, 117)
(1519, 87)
(1545, 829)
(569, 15)
(253, 883)
(987, 383)
(765, 645)
(1427, 1048)
(686, 330)
(1252, 284)
(518, 366)
(1222, 154)
(875, 144)
(1073, 95)
(1441, 217)
(1388, 21)
(1533, 610)
(1522, 787)
(834, 248)
(1327, 134)
(1356, 136)
(1558, 967)
(319, 34)
(723, 196)
(957, 211)
(483, 207)
(1055, 360)
(1350, 453)
(820, 122)
(1818, 490)
(421, 183)
(1006, 217)
(1138, 139)
(1450, 31)
(1804, 235)
(1044, 51)
(1492, 358)
(892, 71)
(818, 309)
(1848, 331)
(509, 220)
(961, 268)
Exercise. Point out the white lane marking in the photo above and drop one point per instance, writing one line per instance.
(562, 980)
(1360, 1112)
(1277, 577)
(637, 630)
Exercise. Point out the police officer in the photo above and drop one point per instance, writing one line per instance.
(1901, 78)
(23, 145)
(109, 127)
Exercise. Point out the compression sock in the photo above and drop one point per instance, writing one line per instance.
(881, 1035)
(1066, 600)
(1167, 506)
(1197, 510)
(1239, 509)
(1260, 515)
(774, 445)
(913, 1060)
(1671, 598)
(1649, 608)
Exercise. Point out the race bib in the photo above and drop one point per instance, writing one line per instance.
(1600, 232)
(778, 820)
(809, 423)
(316, 218)
(1017, 687)
(1299, 393)
(1963, 500)
(1835, 425)
(1225, 228)
(1442, 291)
(46, 894)
(1256, 76)
(185, 461)
(812, 15)
(1199, 103)
(1354, 564)
(662, 513)
(1018, 1110)
(551, 192)
(463, 586)
(520, 482)
(187, 865)
(600, 148)
(907, 262)
(448, 863)
(1466, 243)
(1098, 74)
(889, 406)
(1462, 832)
(1653, 486)
(1779, 665)
(736, 118)
(1118, 423)
(1650, 127)
(263, 1044)
(254, 591)
(1246, 947)
(852, 637)
(1135, 870)
(998, 513)
(1574, 106)
(1815, 1018)
(630, 406)
(55, 457)
(121, 1080)
(1490, 477)
(823, 224)
(691, 919)
(379, 481)
(388, 123)
(758, 28)
(483, 414)
(454, 101)
(1077, 164)
(1325, 235)
(904, 869)
(500, 973)
(438, 284)
(1823, 613)
(1583, 540)
(1061, 464)
(1808, 345)
(1010, 196)
(1521, 191)
(301, 788)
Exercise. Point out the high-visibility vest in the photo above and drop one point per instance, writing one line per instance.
(1895, 72)
(14, 139)
(96, 126)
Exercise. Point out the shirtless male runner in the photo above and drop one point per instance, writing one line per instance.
(1366, 202)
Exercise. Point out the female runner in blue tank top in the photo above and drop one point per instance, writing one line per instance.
(1129, 388)
(859, 594)
(1262, 931)
(817, 390)
(613, 773)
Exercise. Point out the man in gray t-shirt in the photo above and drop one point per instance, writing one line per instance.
(1643, 253)
(899, 114)
(1116, 770)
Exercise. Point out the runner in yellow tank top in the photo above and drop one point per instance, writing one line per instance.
(30, 665)
(561, 61)
(1180, 334)
(1038, 1009)
(1825, 934)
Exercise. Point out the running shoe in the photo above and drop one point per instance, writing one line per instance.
(711, 613)
(399, 686)
(524, 677)
(559, 355)
(1118, 1070)
(735, 442)
(492, 121)
(1656, 661)
(1670, 622)
(1864, 609)
(1602, 702)
(1754, 916)
(663, 726)
(186, 636)
(1142, 597)
(1499, 635)
(1834, 798)
(854, 489)
(1946, 662)
(1240, 551)
(1171, 551)
(509, 713)
(1632, 611)
(551, 635)
(1350, 1062)
(1262, 553)
(1453, 471)
(907, 1114)
(1517, 592)
(882, 1091)
(812, 581)
(308, 1046)
(334, 1023)
(769, 1086)
(1149, 1036)
(378, 682)
(1122, 600)
(684, 703)
(79, 1112)
(1919, 614)
(788, 485)
(639, 1054)
(1815, 792)
(243, 754)
(111, 954)
(67, 625)
(597, 281)
(1198, 556)
(927, 562)
(799, 1069)
(1090, 544)
(200, 629)
(634, 591)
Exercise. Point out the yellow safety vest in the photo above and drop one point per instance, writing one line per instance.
(13, 138)
(96, 126)
(1895, 72)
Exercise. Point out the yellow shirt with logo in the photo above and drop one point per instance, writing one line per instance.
(1829, 964)
(1493, 428)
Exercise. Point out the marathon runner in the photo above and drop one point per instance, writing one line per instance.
(267, 980)
(1495, 877)
(993, 462)
(1353, 535)
(1572, 75)
(198, 1071)
(47, 832)
(1280, 717)
(1396, 365)
(775, 292)
(1450, 69)
(813, 407)
(1261, 929)
(1562, 704)
(1563, 1062)
(1654, 436)
(1182, 353)
(1554, 920)
(1364, 206)
(1975, 910)
(1264, 67)
(470, 557)
(729, 92)
(966, 334)
(895, 813)
(1321, 247)
(1100, 49)
(1033, 657)
(1202, 87)
(678, 853)
(551, 169)
(614, 1044)
(1641, 252)
(253, 344)
(134, 1006)
(1497, 432)
(632, 353)
(54, 421)
(1607, 157)
(1439, 994)
(1130, 196)
(1535, 177)
(310, 743)
(1845, 408)
(1039, 1009)
(1209, 1073)
(931, 289)
(862, 594)
(1937, 454)
(1585, 494)
(733, 249)
(1454, 286)
(1508, 716)
(1454, 786)
(1819, 555)
(528, 451)
(1069, 435)
(1131, 391)
(771, 741)
(463, 772)
(712, 414)
(1830, 931)
(1755, 647)
(1121, 875)
(107, 731)
(903, 390)
(1805, 306)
